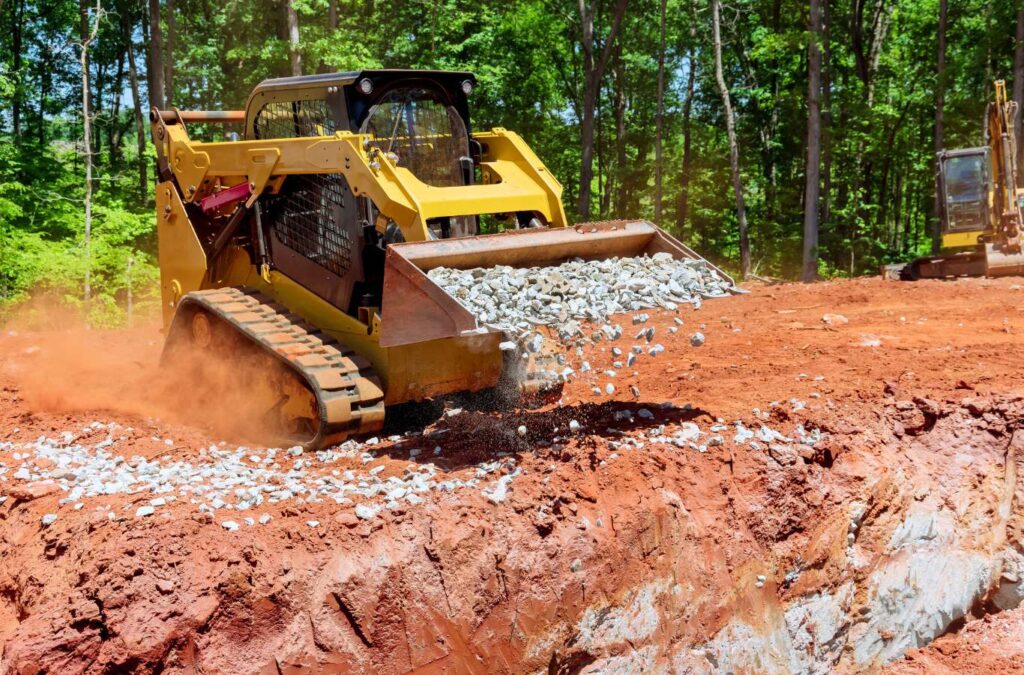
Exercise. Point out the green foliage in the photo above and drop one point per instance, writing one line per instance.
(878, 151)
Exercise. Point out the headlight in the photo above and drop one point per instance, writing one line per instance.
(467, 87)
(366, 86)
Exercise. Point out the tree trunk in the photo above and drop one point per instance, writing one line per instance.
(128, 289)
(294, 57)
(812, 187)
(99, 85)
(114, 132)
(683, 214)
(734, 147)
(988, 43)
(768, 131)
(83, 33)
(940, 103)
(156, 57)
(88, 36)
(19, 19)
(44, 90)
(140, 127)
(894, 244)
(332, 15)
(659, 119)
(1018, 92)
(169, 57)
(826, 129)
(593, 73)
(619, 102)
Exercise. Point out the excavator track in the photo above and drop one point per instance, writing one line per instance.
(325, 392)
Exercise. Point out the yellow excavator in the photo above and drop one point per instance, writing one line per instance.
(980, 204)
(296, 254)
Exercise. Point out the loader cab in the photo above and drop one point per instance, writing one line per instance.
(964, 186)
(318, 231)
(421, 118)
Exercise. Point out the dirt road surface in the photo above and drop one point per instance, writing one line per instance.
(831, 481)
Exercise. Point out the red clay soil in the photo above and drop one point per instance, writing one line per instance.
(657, 558)
(994, 644)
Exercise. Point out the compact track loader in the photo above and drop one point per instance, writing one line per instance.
(980, 205)
(299, 252)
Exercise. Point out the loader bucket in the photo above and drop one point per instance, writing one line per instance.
(415, 309)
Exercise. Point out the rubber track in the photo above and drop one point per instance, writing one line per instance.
(349, 397)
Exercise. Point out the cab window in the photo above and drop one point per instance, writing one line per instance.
(422, 133)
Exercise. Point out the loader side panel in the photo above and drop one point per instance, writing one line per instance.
(313, 225)
(182, 258)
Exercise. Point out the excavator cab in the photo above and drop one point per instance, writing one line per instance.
(963, 184)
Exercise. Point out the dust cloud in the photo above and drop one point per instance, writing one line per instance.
(69, 368)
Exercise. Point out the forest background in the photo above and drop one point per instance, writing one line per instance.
(778, 138)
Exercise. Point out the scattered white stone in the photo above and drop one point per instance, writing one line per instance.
(365, 512)
(229, 525)
(143, 511)
(313, 523)
(499, 492)
(49, 519)
(697, 339)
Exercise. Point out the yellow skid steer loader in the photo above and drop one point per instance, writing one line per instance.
(302, 248)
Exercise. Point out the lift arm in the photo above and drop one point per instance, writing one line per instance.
(514, 179)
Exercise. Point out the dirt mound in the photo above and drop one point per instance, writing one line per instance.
(794, 495)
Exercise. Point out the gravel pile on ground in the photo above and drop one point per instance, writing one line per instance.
(236, 479)
(517, 300)
(230, 485)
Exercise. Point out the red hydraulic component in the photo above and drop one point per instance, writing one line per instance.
(233, 194)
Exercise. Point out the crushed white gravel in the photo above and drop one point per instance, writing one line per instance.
(518, 299)
(220, 482)
(228, 479)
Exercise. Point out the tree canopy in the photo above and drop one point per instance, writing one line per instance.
(545, 67)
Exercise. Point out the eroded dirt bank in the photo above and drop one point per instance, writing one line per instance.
(795, 495)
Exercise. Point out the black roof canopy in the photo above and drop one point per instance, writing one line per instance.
(345, 97)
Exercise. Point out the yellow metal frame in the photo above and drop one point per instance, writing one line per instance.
(514, 178)
(182, 259)
(961, 239)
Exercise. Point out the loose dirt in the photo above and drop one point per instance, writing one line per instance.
(613, 548)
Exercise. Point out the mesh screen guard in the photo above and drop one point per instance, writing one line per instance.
(307, 215)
